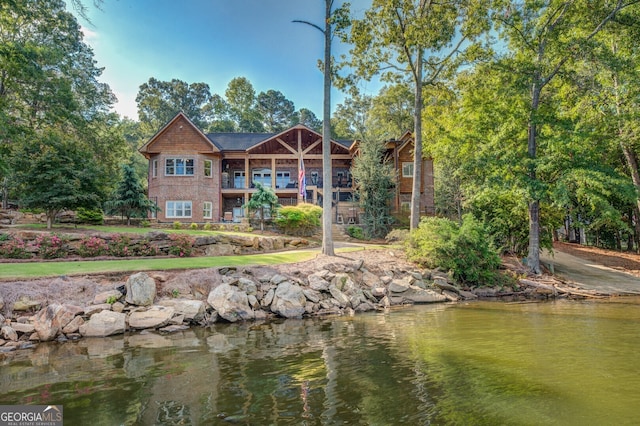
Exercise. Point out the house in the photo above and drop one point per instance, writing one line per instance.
(197, 177)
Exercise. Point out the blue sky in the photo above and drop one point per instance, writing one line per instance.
(212, 41)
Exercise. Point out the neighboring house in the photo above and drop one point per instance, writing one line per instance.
(195, 177)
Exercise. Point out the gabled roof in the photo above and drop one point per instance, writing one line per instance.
(231, 141)
(145, 148)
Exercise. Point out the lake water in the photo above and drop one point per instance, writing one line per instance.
(555, 363)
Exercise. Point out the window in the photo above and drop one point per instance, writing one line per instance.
(178, 209)
(407, 169)
(178, 167)
(405, 206)
(208, 168)
(238, 179)
(207, 210)
(154, 168)
(282, 179)
(263, 176)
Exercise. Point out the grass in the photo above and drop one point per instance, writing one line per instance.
(58, 268)
(135, 230)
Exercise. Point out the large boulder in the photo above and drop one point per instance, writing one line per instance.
(289, 300)
(340, 297)
(104, 323)
(193, 310)
(400, 285)
(154, 317)
(231, 303)
(141, 289)
(50, 321)
(317, 282)
(418, 295)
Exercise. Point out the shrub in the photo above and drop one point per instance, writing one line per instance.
(193, 226)
(92, 247)
(302, 220)
(181, 245)
(355, 232)
(177, 225)
(397, 236)
(145, 248)
(4, 237)
(463, 249)
(207, 226)
(14, 248)
(92, 217)
(145, 224)
(51, 246)
(119, 246)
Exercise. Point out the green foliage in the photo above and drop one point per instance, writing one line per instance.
(462, 249)
(375, 183)
(207, 226)
(14, 248)
(181, 245)
(355, 232)
(193, 226)
(90, 216)
(54, 174)
(145, 248)
(302, 219)
(175, 293)
(177, 225)
(112, 299)
(119, 246)
(130, 198)
(51, 246)
(397, 236)
(145, 224)
(92, 246)
(262, 201)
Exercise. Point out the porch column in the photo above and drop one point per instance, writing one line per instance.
(247, 173)
(273, 174)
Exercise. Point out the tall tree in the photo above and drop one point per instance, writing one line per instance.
(130, 197)
(543, 37)
(308, 118)
(241, 98)
(159, 101)
(339, 18)
(419, 42)
(53, 174)
(277, 111)
(374, 182)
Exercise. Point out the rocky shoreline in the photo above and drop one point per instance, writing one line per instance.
(67, 308)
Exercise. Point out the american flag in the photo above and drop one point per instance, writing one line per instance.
(302, 179)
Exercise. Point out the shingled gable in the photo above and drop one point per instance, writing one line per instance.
(163, 141)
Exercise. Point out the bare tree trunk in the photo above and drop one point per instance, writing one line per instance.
(533, 260)
(417, 149)
(327, 237)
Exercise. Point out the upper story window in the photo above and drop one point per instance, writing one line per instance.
(178, 167)
(208, 168)
(407, 169)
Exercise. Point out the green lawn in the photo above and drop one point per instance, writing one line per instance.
(54, 269)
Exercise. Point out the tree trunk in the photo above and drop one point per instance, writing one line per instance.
(51, 216)
(417, 149)
(534, 204)
(327, 238)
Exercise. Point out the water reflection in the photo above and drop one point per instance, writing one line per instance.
(481, 363)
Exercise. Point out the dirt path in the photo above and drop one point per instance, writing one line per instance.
(589, 272)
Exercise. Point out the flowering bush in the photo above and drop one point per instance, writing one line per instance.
(92, 247)
(51, 246)
(14, 248)
(181, 245)
(119, 246)
(145, 248)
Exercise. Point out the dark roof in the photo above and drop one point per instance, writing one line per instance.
(344, 142)
(231, 141)
(238, 141)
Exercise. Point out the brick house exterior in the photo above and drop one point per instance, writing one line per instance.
(197, 177)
